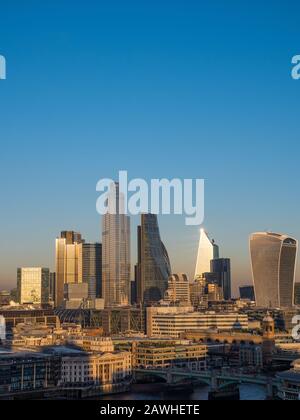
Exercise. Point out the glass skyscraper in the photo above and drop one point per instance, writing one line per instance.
(116, 251)
(92, 268)
(207, 251)
(273, 259)
(222, 268)
(68, 262)
(154, 266)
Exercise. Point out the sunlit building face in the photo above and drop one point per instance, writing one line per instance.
(273, 259)
(33, 285)
(68, 262)
(207, 251)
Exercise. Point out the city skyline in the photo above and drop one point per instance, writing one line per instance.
(134, 256)
(188, 84)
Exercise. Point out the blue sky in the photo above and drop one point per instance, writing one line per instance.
(189, 89)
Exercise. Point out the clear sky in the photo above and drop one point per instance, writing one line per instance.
(189, 89)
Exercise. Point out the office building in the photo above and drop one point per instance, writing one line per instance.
(68, 262)
(222, 268)
(92, 268)
(27, 373)
(178, 290)
(173, 321)
(214, 292)
(154, 266)
(198, 294)
(207, 251)
(166, 354)
(116, 268)
(247, 293)
(4, 298)
(2, 328)
(273, 258)
(52, 286)
(133, 292)
(33, 285)
(297, 294)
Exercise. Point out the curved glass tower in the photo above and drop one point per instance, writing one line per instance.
(273, 258)
(154, 266)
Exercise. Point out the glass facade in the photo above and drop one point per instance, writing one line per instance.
(92, 268)
(68, 263)
(154, 266)
(207, 251)
(273, 265)
(116, 267)
(222, 268)
(33, 285)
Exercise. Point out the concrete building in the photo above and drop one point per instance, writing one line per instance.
(92, 344)
(4, 298)
(273, 258)
(198, 296)
(289, 388)
(33, 285)
(104, 369)
(178, 290)
(25, 373)
(251, 356)
(164, 354)
(174, 321)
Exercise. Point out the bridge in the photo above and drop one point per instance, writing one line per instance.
(216, 380)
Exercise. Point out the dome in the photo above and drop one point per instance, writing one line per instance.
(268, 318)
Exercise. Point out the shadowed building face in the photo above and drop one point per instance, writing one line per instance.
(154, 268)
(273, 266)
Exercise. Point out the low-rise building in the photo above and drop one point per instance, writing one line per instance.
(251, 356)
(289, 388)
(104, 369)
(173, 321)
(164, 354)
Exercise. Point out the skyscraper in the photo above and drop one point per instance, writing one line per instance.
(33, 285)
(92, 267)
(273, 259)
(247, 292)
(68, 262)
(154, 266)
(222, 268)
(207, 251)
(116, 251)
